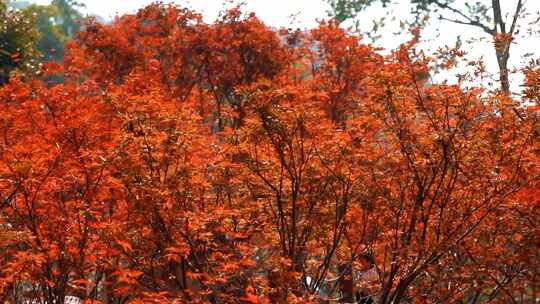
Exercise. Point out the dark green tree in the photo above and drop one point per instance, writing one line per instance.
(18, 42)
(68, 16)
(51, 38)
(57, 23)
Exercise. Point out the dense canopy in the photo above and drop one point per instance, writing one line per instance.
(182, 161)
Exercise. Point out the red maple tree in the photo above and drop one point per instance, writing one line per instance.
(182, 161)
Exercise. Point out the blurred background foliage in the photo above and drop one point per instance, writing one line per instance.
(31, 34)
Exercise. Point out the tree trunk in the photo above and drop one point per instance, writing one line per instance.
(502, 60)
(346, 284)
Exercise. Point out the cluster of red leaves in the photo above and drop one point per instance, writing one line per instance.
(229, 163)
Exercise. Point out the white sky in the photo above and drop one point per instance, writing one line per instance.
(277, 13)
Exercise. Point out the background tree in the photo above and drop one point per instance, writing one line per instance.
(18, 41)
(57, 23)
(68, 17)
(485, 15)
(35, 34)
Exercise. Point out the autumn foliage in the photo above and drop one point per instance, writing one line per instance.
(228, 162)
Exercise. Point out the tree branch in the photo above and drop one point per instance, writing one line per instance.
(472, 23)
(469, 21)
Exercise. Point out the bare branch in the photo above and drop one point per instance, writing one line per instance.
(469, 21)
(472, 23)
(519, 7)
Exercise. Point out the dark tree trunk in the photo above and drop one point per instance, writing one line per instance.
(346, 283)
